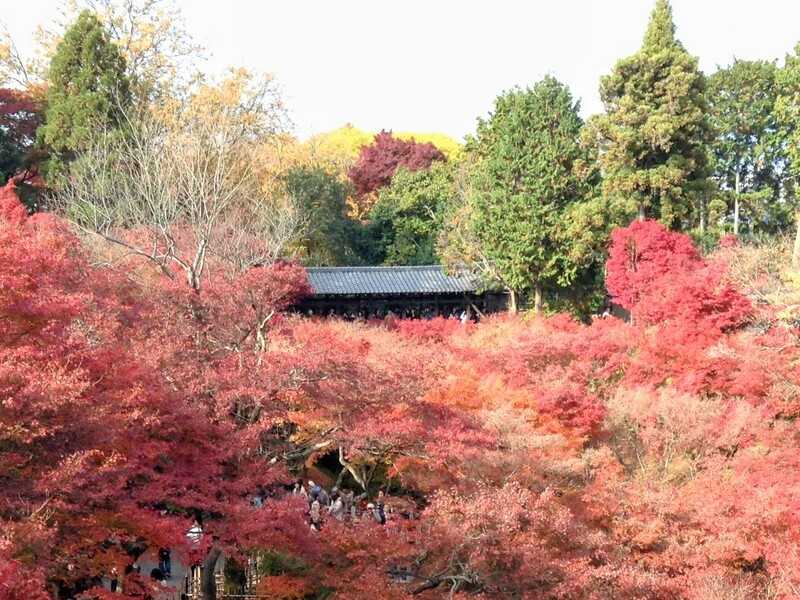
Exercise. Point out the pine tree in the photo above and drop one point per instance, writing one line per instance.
(524, 183)
(88, 88)
(653, 136)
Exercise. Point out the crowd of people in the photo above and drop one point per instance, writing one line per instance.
(321, 504)
(381, 314)
(342, 505)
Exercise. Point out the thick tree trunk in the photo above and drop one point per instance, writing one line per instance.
(736, 205)
(513, 301)
(796, 251)
(642, 215)
(537, 298)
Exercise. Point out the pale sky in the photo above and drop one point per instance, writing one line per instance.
(436, 65)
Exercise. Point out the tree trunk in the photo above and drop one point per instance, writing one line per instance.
(796, 251)
(736, 205)
(642, 215)
(513, 301)
(537, 298)
(208, 583)
(703, 209)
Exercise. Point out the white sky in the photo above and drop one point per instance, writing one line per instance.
(435, 65)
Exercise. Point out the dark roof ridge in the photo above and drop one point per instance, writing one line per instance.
(376, 268)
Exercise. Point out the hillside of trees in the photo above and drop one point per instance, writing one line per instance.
(154, 228)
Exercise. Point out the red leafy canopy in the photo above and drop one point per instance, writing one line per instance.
(378, 162)
(537, 458)
(642, 253)
(20, 116)
(103, 439)
(659, 276)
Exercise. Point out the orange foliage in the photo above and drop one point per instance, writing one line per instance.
(521, 459)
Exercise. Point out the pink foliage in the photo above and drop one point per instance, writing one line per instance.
(378, 161)
(642, 253)
(437, 329)
(660, 277)
(538, 458)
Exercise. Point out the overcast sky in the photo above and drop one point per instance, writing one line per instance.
(435, 65)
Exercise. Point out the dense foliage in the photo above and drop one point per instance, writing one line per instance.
(555, 459)
(406, 219)
(655, 130)
(525, 182)
(20, 116)
(88, 88)
(153, 374)
(328, 235)
(749, 148)
(378, 161)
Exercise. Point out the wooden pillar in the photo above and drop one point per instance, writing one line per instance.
(193, 583)
(251, 573)
(219, 583)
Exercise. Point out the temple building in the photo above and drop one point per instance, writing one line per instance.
(408, 292)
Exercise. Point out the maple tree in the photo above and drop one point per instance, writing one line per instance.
(378, 161)
(95, 465)
(521, 458)
(20, 116)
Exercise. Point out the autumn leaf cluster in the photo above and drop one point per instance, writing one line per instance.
(538, 458)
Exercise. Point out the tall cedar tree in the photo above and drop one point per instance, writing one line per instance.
(748, 149)
(524, 183)
(788, 108)
(654, 134)
(88, 88)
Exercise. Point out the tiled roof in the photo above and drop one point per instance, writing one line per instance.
(339, 281)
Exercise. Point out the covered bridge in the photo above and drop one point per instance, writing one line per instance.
(409, 292)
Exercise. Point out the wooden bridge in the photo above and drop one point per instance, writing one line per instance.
(409, 292)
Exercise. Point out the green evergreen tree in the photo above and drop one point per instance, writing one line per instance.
(328, 237)
(406, 220)
(88, 90)
(748, 152)
(654, 134)
(524, 183)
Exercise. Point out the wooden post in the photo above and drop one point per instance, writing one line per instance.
(219, 584)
